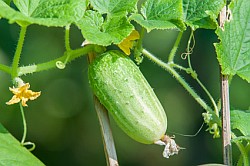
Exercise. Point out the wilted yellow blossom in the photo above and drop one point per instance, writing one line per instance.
(22, 94)
(127, 43)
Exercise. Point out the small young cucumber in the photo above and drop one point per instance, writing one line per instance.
(122, 89)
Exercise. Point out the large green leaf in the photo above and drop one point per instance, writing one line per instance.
(241, 120)
(43, 12)
(26, 7)
(114, 6)
(97, 31)
(12, 153)
(202, 13)
(160, 14)
(233, 51)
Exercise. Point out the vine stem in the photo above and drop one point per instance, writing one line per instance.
(107, 138)
(167, 66)
(175, 47)
(18, 52)
(24, 124)
(190, 50)
(226, 128)
(188, 70)
(23, 143)
(52, 64)
(5, 68)
(209, 95)
(66, 38)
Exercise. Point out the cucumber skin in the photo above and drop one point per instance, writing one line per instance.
(123, 90)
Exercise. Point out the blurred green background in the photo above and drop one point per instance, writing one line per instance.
(63, 124)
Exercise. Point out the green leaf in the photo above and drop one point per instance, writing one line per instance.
(202, 13)
(114, 6)
(233, 52)
(241, 120)
(12, 153)
(26, 7)
(160, 14)
(97, 31)
(71, 10)
(59, 13)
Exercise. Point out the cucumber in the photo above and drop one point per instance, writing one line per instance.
(123, 90)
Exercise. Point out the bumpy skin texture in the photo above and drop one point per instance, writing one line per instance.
(126, 94)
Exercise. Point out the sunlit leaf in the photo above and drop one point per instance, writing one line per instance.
(160, 14)
(47, 13)
(96, 30)
(241, 120)
(202, 13)
(114, 6)
(26, 7)
(233, 51)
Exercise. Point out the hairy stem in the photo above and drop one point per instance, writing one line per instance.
(5, 68)
(142, 32)
(181, 81)
(60, 64)
(174, 49)
(190, 69)
(18, 52)
(179, 67)
(210, 97)
(52, 64)
(66, 38)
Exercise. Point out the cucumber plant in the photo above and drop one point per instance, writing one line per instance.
(112, 27)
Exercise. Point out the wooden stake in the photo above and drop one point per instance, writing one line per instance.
(226, 129)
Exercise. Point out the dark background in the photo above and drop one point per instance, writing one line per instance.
(63, 124)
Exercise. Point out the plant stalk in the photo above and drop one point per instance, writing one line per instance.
(66, 38)
(175, 47)
(24, 124)
(18, 52)
(5, 68)
(172, 71)
(52, 64)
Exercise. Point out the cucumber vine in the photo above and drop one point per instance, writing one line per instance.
(115, 23)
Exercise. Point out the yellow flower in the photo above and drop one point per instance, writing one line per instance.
(22, 94)
(127, 43)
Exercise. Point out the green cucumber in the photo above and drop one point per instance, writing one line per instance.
(123, 90)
